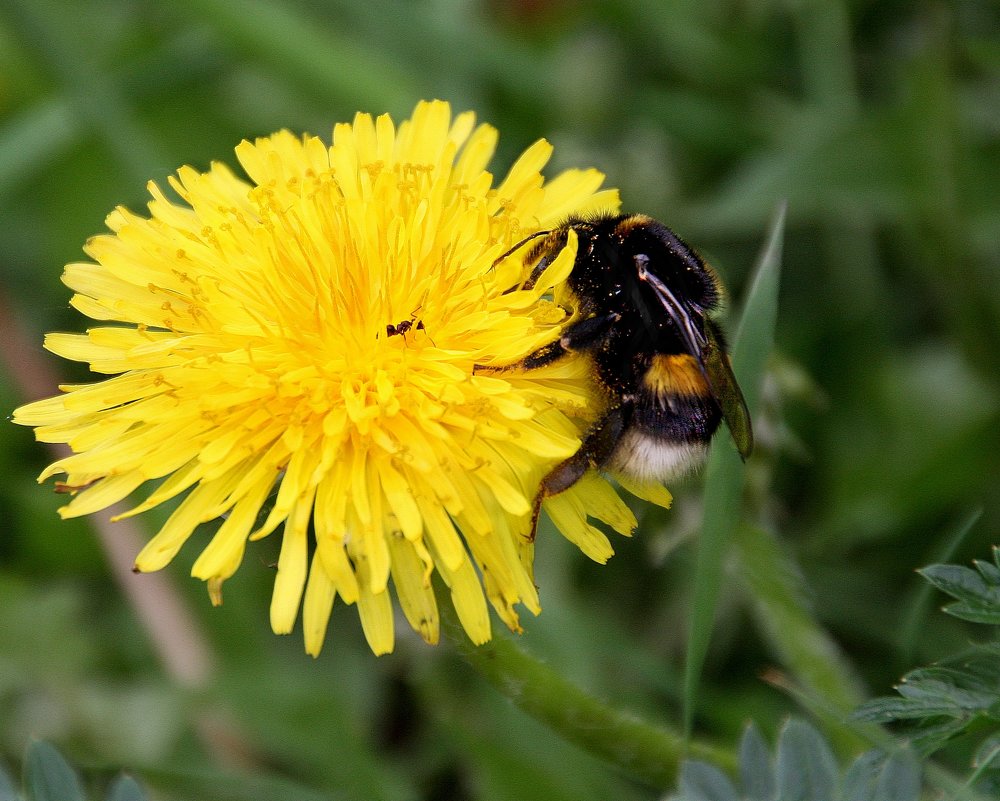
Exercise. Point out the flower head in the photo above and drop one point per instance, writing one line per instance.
(297, 351)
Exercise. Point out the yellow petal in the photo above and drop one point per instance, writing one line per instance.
(411, 568)
(317, 325)
(320, 593)
(290, 580)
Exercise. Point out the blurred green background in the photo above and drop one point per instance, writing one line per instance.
(879, 122)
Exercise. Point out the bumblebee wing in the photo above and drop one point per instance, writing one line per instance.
(708, 349)
(727, 392)
(679, 311)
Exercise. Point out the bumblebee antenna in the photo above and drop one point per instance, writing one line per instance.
(518, 246)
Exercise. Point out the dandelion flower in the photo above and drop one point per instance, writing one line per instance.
(296, 350)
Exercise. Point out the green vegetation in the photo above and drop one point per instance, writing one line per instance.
(877, 422)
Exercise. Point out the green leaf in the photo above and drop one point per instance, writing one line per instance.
(887, 709)
(724, 474)
(978, 593)
(7, 792)
(806, 771)
(125, 788)
(862, 777)
(988, 754)
(943, 702)
(219, 786)
(899, 779)
(914, 625)
(928, 738)
(956, 580)
(874, 776)
(806, 768)
(700, 781)
(961, 689)
(931, 692)
(48, 777)
(964, 692)
(756, 770)
(990, 572)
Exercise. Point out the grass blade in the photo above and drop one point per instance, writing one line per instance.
(725, 472)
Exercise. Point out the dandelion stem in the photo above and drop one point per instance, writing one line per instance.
(649, 752)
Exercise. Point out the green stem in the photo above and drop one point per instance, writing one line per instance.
(650, 753)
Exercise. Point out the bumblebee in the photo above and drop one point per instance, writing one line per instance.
(644, 300)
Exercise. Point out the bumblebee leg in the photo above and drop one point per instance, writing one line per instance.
(532, 279)
(536, 273)
(578, 336)
(553, 240)
(594, 451)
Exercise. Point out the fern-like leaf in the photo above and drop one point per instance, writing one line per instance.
(49, 777)
(803, 769)
(977, 591)
(946, 700)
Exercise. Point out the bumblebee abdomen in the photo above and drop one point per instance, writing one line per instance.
(667, 431)
(647, 458)
(675, 374)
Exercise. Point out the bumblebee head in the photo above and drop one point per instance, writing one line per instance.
(656, 249)
(687, 289)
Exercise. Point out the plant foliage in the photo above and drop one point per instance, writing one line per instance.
(49, 777)
(959, 695)
(802, 769)
(877, 420)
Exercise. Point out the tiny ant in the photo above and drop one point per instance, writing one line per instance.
(402, 328)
